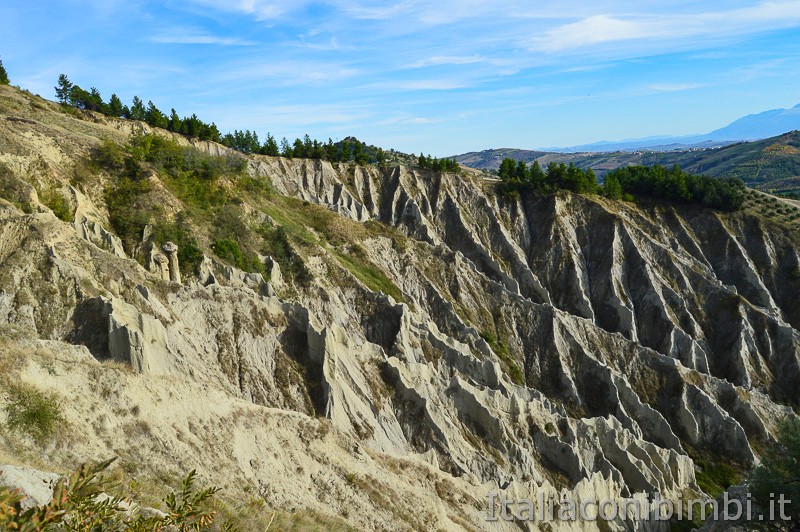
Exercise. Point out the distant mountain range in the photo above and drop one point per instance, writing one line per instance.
(750, 127)
(771, 164)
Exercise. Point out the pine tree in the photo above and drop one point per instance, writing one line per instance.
(175, 123)
(63, 89)
(537, 175)
(79, 98)
(298, 150)
(114, 106)
(286, 150)
(332, 151)
(508, 169)
(3, 74)
(522, 173)
(154, 116)
(612, 187)
(270, 146)
(138, 112)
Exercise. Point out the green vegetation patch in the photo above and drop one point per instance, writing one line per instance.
(277, 245)
(203, 184)
(195, 178)
(57, 203)
(33, 412)
(779, 472)
(13, 189)
(516, 176)
(715, 477)
(675, 185)
(313, 227)
(509, 363)
(362, 269)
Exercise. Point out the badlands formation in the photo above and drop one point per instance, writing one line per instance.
(560, 345)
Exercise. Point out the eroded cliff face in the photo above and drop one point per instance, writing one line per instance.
(562, 344)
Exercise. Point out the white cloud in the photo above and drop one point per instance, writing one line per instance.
(449, 60)
(375, 12)
(260, 9)
(674, 87)
(600, 29)
(331, 45)
(199, 38)
(431, 85)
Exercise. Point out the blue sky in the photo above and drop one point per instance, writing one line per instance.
(444, 77)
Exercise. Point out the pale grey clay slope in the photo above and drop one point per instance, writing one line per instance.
(647, 338)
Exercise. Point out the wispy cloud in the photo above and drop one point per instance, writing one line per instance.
(371, 12)
(292, 120)
(439, 60)
(288, 72)
(197, 37)
(674, 87)
(409, 120)
(763, 69)
(331, 45)
(432, 85)
(260, 9)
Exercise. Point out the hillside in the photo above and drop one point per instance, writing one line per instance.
(377, 347)
(769, 165)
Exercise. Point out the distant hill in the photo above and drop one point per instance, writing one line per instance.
(751, 127)
(771, 164)
(760, 126)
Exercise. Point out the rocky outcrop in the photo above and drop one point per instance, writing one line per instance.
(171, 251)
(37, 486)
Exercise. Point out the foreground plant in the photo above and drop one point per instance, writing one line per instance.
(80, 503)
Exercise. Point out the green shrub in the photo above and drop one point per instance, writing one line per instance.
(109, 156)
(57, 203)
(33, 412)
(365, 271)
(228, 250)
(129, 209)
(255, 185)
(13, 189)
(75, 506)
(189, 173)
(779, 472)
(714, 478)
(501, 350)
(229, 222)
(276, 245)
